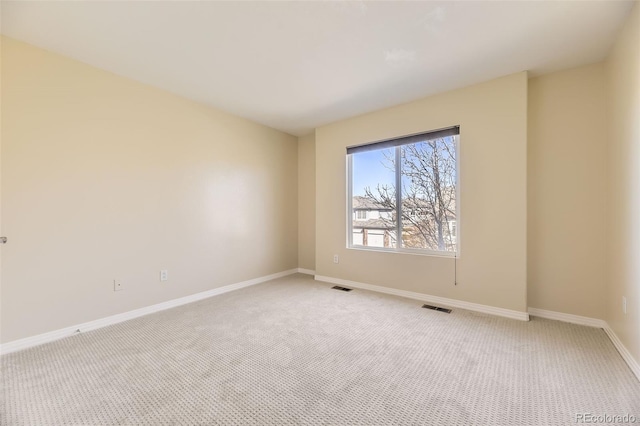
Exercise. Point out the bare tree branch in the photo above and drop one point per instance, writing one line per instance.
(428, 171)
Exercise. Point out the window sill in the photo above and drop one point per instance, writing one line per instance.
(428, 253)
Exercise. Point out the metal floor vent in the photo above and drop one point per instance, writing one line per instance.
(437, 308)
(337, 287)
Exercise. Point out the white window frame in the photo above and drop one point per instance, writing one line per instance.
(406, 250)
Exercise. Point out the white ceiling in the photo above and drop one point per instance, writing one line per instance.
(298, 65)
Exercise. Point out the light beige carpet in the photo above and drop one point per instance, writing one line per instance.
(293, 351)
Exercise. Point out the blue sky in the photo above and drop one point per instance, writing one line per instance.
(369, 171)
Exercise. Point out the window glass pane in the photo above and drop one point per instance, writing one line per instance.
(374, 198)
(429, 195)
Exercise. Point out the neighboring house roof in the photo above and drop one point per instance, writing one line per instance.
(417, 204)
(364, 203)
(372, 224)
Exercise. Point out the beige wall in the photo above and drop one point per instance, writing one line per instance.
(103, 178)
(1, 227)
(623, 266)
(567, 191)
(307, 202)
(493, 145)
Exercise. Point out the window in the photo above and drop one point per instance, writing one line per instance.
(422, 215)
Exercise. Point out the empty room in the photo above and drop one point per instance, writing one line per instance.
(319, 212)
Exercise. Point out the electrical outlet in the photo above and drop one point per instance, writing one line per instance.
(164, 275)
(624, 305)
(336, 259)
(118, 285)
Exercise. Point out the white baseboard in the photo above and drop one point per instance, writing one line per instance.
(592, 322)
(39, 339)
(508, 313)
(559, 316)
(634, 366)
(574, 319)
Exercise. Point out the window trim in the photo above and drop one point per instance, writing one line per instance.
(404, 250)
